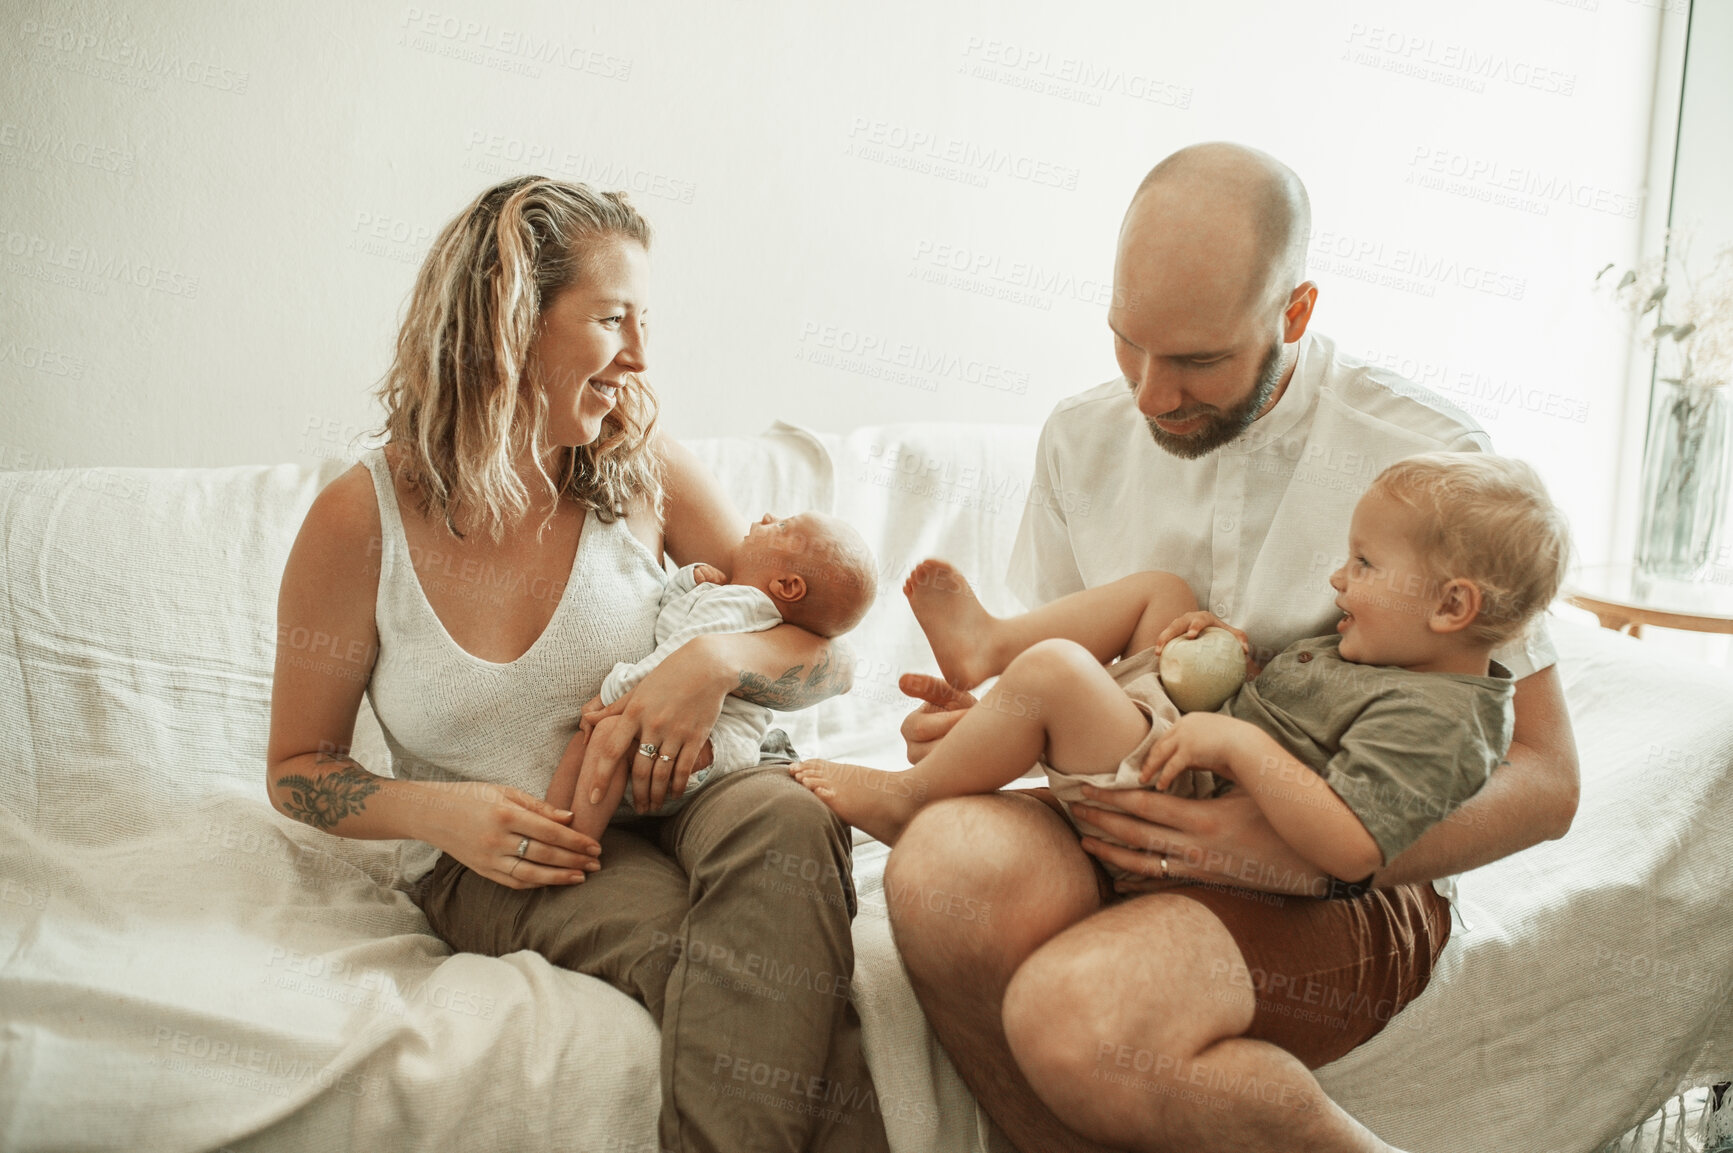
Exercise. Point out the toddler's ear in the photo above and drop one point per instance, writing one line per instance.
(788, 588)
(1458, 606)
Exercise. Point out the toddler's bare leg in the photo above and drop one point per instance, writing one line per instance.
(1114, 619)
(1054, 699)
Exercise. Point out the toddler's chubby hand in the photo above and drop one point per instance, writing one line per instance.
(1196, 741)
(1193, 623)
(709, 574)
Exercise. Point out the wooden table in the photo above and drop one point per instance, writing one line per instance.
(1623, 599)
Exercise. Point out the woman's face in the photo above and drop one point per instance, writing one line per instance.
(590, 336)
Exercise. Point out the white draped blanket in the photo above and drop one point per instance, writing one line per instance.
(181, 968)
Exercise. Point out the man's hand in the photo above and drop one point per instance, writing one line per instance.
(1223, 840)
(943, 706)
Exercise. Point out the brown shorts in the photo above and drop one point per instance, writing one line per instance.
(1327, 975)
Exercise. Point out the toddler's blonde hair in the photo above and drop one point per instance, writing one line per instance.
(1487, 519)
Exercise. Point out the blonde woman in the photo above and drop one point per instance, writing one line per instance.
(481, 573)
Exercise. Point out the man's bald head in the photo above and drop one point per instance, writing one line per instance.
(1209, 296)
(1244, 207)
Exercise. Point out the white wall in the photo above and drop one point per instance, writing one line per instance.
(210, 213)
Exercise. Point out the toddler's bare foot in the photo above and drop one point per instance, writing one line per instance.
(957, 627)
(878, 803)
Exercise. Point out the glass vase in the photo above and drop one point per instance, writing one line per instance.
(1687, 470)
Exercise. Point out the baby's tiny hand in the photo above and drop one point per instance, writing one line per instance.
(709, 574)
(592, 712)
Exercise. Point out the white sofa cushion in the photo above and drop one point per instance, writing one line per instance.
(182, 968)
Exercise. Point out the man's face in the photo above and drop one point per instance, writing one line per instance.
(1198, 428)
(1198, 326)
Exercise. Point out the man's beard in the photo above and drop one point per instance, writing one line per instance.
(1223, 425)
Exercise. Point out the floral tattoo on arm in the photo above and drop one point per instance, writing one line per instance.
(791, 691)
(325, 800)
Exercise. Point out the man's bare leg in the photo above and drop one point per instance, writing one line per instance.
(974, 887)
(1128, 1025)
(971, 644)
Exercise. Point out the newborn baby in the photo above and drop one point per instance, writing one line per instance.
(809, 570)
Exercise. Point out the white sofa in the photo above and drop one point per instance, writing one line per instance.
(181, 968)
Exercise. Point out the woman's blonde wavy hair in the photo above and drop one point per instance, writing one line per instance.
(458, 404)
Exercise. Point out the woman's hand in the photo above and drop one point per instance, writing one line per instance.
(942, 707)
(614, 744)
(672, 710)
(1223, 840)
(483, 824)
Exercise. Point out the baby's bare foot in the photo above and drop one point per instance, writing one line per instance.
(957, 627)
(878, 803)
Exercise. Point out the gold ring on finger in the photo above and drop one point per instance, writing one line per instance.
(663, 757)
(1164, 873)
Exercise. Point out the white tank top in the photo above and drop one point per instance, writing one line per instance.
(448, 715)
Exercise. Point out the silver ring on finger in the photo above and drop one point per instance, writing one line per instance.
(1165, 875)
(523, 847)
(646, 749)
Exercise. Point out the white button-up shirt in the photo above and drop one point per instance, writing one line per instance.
(1256, 527)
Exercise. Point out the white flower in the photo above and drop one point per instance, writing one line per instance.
(1693, 315)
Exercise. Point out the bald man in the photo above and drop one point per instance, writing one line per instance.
(1174, 1012)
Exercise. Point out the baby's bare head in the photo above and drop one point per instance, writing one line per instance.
(1488, 519)
(817, 569)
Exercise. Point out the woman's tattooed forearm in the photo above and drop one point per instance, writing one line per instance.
(324, 800)
(819, 683)
(791, 691)
(782, 694)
